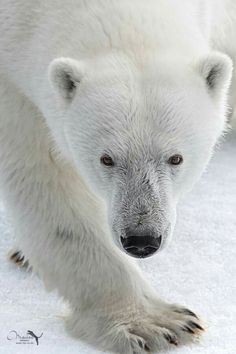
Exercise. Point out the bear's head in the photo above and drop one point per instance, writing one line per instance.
(140, 134)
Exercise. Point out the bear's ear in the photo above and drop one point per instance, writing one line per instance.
(65, 75)
(216, 69)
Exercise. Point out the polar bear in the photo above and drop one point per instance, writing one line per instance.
(109, 112)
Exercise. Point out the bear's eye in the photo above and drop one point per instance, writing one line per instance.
(176, 160)
(107, 160)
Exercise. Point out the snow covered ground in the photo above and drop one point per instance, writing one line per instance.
(198, 269)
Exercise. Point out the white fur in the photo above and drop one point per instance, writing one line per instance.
(81, 77)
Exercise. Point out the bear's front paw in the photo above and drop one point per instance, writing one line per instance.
(149, 328)
(18, 258)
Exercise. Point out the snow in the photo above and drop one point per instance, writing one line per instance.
(197, 270)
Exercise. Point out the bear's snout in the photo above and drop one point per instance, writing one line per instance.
(141, 245)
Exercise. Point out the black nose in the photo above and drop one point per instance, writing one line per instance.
(141, 246)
